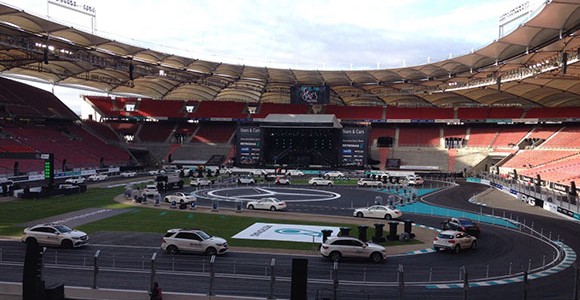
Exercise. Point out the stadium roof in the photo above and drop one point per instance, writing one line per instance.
(535, 65)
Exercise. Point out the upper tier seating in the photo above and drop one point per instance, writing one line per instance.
(278, 108)
(19, 99)
(355, 112)
(419, 113)
(220, 109)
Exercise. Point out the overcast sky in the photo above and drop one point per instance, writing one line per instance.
(297, 34)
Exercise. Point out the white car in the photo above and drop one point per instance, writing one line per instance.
(415, 180)
(320, 181)
(156, 172)
(336, 248)
(193, 240)
(378, 211)
(76, 180)
(334, 175)
(180, 197)
(58, 235)
(364, 182)
(128, 174)
(282, 180)
(267, 203)
(199, 182)
(296, 173)
(98, 177)
(248, 179)
(150, 191)
(454, 240)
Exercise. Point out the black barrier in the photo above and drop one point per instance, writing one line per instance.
(344, 231)
(362, 232)
(325, 234)
(379, 238)
(393, 231)
(408, 226)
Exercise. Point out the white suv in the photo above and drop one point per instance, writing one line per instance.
(193, 240)
(58, 235)
(336, 248)
(98, 177)
(320, 181)
(364, 182)
(333, 175)
(76, 180)
(454, 241)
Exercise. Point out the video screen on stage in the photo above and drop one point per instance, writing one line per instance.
(302, 94)
(249, 146)
(353, 146)
(301, 147)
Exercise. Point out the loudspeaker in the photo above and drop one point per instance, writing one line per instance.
(299, 279)
(564, 62)
(131, 71)
(45, 55)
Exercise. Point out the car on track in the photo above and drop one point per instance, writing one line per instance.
(414, 180)
(98, 177)
(198, 182)
(386, 212)
(128, 174)
(150, 191)
(269, 203)
(57, 235)
(295, 173)
(462, 224)
(246, 179)
(337, 248)
(454, 240)
(283, 180)
(333, 175)
(76, 180)
(364, 182)
(320, 181)
(156, 172)
(179, 197)
(193, 240)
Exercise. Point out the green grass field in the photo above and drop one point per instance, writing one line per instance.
(143, 219)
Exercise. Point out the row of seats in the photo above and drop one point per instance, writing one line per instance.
(138, 107)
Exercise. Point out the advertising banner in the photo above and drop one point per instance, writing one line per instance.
(285, 232)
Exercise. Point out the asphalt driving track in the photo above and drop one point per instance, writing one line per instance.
(125, 259)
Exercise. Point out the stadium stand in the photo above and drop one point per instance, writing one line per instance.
(356, 112)
(509, 137)
(481, 136)
(214, 133)
(419, 136)
(157, 132)
(264, 109)
(419, 113)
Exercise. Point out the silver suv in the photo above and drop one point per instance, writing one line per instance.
(193, 240)
(58, 235)
(336, 248)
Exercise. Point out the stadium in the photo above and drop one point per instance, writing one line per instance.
(508, 112)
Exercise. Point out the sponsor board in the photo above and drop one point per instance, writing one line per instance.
(285, 232)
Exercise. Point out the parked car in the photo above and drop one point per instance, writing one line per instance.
(247, 179)
(364, 182)
(282, 180)
(150, 191)
(58, 235)
(197, 182)
(414, 180)
(337, 248)
(333, 175)
(128, 174)
(98, 177)
(454, 240)
(296, 173)
(180, 197)
(386, 212)
(193, 240)
(269, 203)
(76, 180)
(462, 224)
(156, 172)
(320, 181)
